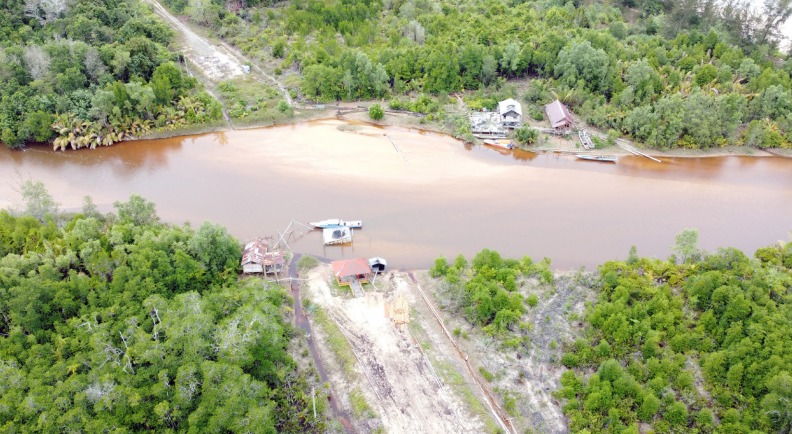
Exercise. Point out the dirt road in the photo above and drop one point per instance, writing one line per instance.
(217, 61)
(398, 380)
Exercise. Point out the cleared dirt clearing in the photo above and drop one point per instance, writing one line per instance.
(396, 378)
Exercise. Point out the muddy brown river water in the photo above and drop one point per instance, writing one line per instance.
(426, 196)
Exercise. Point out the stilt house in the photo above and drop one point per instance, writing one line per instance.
(510, 113)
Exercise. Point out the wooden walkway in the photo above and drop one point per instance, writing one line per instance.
(356, 287)
(629, 148)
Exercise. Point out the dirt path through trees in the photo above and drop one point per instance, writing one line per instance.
(217, 62)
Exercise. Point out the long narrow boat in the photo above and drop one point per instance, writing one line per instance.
(602, 158)
(337, 223)
(499, 143)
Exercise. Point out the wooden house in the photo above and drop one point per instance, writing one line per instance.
(274, 262)
(511, 113)
(559, 116)
(485, 125)
(253, 256)
(350, 271)
(258, 258)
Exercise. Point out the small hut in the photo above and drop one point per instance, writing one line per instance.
(377, 264)
(274, 262)
(257, 257)
(253, 256)
(348, 271)
(558, 115)
(510, 113)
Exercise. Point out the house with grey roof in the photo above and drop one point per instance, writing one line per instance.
(510, 113)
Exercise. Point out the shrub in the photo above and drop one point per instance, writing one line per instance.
(306, 263)
(532, 300)
(376, 112)
(526, 135)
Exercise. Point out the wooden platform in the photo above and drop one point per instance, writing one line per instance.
(398, 310)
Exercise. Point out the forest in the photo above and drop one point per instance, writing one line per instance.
(699, 342)
(85, 74)
(118, 322)
(667, 73)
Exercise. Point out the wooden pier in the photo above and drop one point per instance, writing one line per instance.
(624, 145)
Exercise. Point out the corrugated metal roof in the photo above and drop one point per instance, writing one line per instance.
(350, 267)
(254, 251)
(509, 105)
(558, 114)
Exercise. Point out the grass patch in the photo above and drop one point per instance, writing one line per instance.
(457, 382)
(249, 102)
(306, 263)
(360, 407)
(489, 376)
(337, 342)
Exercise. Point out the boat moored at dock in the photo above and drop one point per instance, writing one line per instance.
(337, 223)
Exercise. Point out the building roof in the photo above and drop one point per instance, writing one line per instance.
(486, 122)
(558, 114)
(274, 258)
(377, 260)
(350, 267)
(509, 105)
(254, 251)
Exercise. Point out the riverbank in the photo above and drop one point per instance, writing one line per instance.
(357, 112)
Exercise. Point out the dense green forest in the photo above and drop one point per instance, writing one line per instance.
(118, 323)
(696, 343)
(85, 73)
(669, 73)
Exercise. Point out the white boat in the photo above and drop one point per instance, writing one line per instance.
(336, 235)
(499, 143)
(337, 223)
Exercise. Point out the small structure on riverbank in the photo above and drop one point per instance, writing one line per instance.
(352, 273)
(511, 113)
(258, 257)
(377, 264)
(559, 116)
(486, 125)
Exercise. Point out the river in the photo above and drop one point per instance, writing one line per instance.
(427, 196)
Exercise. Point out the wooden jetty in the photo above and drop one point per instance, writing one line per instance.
(624, 145)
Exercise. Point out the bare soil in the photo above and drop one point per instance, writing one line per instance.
(395, 375)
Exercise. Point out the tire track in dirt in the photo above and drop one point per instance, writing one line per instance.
(400, 385)
(302, 322)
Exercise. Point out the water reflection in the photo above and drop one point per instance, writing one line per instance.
(423, 194)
